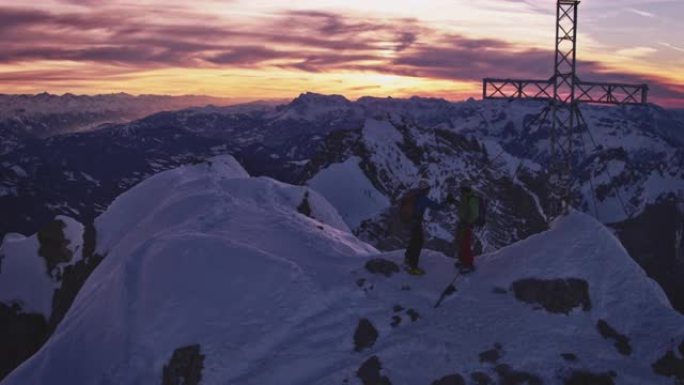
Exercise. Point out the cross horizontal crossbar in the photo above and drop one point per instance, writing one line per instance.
(587, 92)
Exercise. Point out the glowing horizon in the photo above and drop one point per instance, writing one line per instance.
(249, 50)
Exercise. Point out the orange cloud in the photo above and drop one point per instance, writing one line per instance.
(276, 56)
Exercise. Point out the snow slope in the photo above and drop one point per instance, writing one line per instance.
(206, 255)
(347, 188)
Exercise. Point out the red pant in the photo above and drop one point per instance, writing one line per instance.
(465, 243)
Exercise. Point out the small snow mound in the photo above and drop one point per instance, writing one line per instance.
(13, 237)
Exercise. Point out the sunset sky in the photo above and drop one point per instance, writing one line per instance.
(257, 49)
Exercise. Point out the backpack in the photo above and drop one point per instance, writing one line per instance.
(482, 211)
(407, 206)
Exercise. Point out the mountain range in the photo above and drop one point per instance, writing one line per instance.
(359, 156)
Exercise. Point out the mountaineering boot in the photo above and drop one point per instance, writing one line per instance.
(464, 269)
(417, 271)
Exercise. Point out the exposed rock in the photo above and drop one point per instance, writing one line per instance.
(53, 245)
(670, 364)
(22, 334)
(369, 372)
(452, 379)
(493, 355)
(508, 376)
(499, 290)
(570, 357)
(621, 341)
(588, 378)
(28, 332)
(396, 320)
(304, 208)
(382, 266)
(413, 314)
(481, 378)
(185, 367)
(73, 278)
(397, 308)
(365, 335)
(555, 296)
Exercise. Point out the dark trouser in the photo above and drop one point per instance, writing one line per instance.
(415, 244)
(464, 240)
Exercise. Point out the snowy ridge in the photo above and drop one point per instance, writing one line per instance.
(206, 255)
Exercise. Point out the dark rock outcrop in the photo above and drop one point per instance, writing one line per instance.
(365, 335)
(670, 364)
(499, 290)
(588, 378)
(304, 207)
(621, 341)
(452, 379)
(415, 316)
(481, 378)
(369, 372)
(493, 355)
(21, 335)
(382, 266)
(556, 295)
(570, 357)
(28, 332)
(509, 376)
(53, 245)
(185, 367)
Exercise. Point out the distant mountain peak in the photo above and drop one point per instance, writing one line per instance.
(310, 105)
(308, 98)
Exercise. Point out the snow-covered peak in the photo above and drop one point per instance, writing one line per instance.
(212, 261)
(216, 182)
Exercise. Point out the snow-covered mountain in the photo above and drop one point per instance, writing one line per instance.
(211, 276)
(45, 114)
(362, 155)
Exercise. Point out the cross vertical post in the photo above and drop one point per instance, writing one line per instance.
(563, 106)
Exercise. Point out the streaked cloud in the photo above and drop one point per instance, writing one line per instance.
(279, 48)
(672, 46)
(636, 52)
(641, 13)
